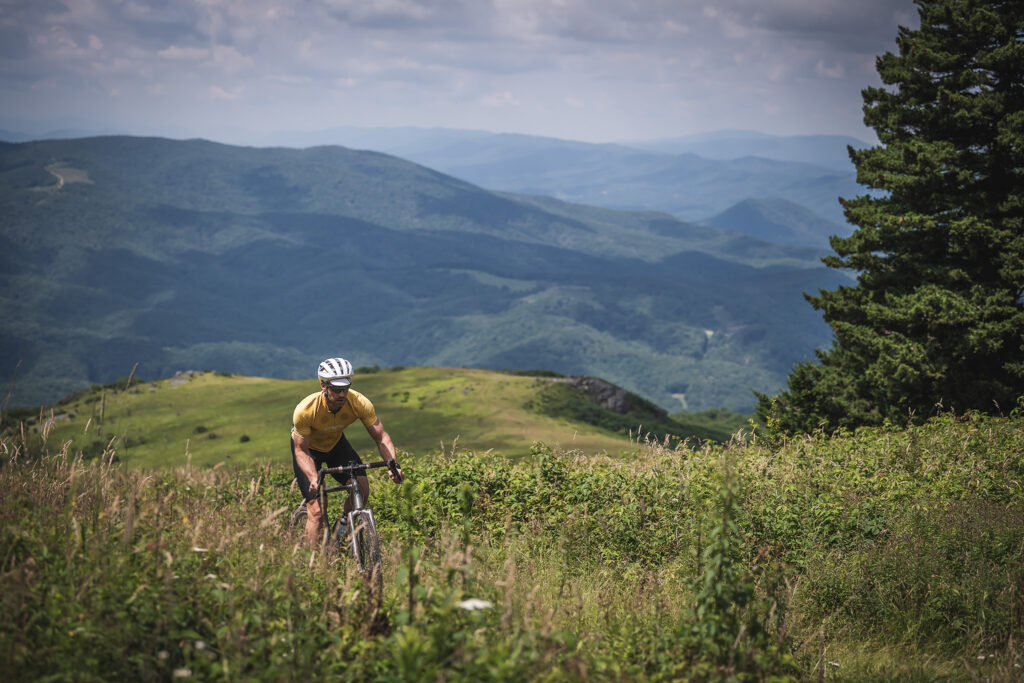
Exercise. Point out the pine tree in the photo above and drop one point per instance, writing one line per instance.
(937, 315)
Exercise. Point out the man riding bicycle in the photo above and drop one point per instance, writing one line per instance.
(318, 438)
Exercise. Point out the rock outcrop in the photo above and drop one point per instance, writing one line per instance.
(606, 394)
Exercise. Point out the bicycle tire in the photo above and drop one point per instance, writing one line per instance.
(366, 548)
(297, 523)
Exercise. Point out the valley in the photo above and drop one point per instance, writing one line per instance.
(261, 261)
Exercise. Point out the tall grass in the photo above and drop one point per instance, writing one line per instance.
(883, 554)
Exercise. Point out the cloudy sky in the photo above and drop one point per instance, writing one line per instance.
(594, 70)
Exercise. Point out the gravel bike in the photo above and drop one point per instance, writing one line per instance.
(357, 527)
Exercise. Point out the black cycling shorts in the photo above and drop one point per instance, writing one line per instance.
(342, 454)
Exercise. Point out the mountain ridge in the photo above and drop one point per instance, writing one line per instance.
(197, 254)
(626, 175)
(656, 175)
(778, 221)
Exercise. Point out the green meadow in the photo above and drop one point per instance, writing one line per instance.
(887, 554)
(210, 418)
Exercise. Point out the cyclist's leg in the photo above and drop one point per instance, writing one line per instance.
(344, 454)
(314, 517)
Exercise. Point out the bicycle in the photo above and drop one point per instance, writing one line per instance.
(360, 529)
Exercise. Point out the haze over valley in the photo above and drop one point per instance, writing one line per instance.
(193, 254)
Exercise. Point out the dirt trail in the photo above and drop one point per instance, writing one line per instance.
(60, 178)
(65, 175)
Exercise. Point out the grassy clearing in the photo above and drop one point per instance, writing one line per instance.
(230, 418)
(895, 555)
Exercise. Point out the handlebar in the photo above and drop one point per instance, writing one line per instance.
(357, 468)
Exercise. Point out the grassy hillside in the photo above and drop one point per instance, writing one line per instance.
(190, 254)
(882, 555)
(218, 418)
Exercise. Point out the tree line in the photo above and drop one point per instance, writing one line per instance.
(936, 318)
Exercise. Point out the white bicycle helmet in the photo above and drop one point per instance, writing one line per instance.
(335, 371)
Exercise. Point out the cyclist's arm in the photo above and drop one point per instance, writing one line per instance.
(303, 457)
(384, 444)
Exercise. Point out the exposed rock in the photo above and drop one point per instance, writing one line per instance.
(605, 394)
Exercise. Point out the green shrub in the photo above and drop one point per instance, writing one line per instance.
(726, 562)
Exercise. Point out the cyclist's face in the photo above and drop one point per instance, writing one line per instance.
(335, 399)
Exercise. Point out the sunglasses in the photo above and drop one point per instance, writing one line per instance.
(336, 390)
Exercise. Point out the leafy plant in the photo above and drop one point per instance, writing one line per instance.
(871, 555)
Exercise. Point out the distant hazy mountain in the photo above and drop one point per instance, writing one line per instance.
(692, 179)
(11, 136)
(55, 134)
(830, 151)
(192, 255)
(779, 221)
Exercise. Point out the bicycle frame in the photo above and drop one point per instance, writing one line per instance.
(361, 525)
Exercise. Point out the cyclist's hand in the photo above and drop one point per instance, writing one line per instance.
(395, 472)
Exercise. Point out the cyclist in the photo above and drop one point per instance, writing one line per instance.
(318, 438)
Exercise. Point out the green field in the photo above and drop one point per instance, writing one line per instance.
(229, 418)
(883, 555)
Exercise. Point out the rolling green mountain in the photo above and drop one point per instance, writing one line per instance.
(189, 254)
(779, 221)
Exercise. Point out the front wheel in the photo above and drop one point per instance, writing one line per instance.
(366, 547)
(297, 523)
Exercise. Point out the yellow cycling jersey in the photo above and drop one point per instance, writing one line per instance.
(313, 420)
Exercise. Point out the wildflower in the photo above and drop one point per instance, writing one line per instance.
(474, 604)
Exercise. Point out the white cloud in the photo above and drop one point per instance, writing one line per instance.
(229, 59)
(778, 72)
(184, 54)
(218, 93)
(507, 64)
(502, 99)
(829, 70)
(380, 12)
(672, 26)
